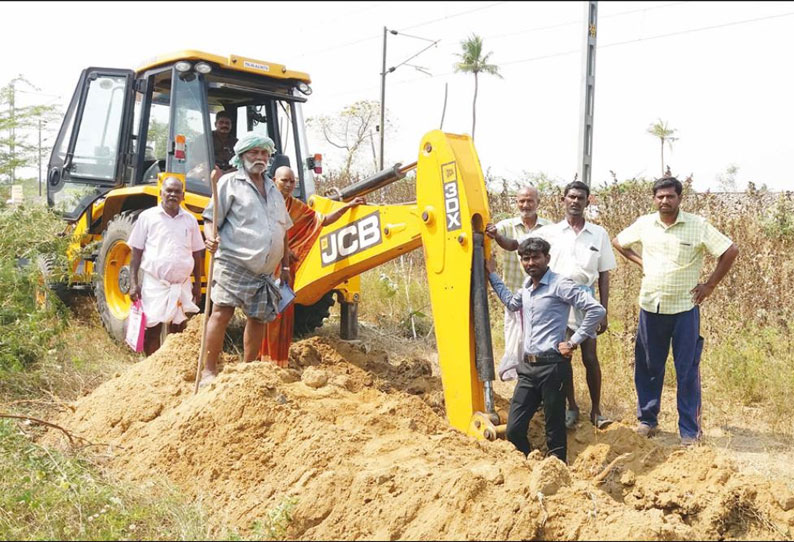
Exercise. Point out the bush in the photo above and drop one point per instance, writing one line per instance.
(45, 495)
(28, 328)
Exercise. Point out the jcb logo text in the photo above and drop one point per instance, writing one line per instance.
(353, 238)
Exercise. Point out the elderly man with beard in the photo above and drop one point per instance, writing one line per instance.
(251, 243)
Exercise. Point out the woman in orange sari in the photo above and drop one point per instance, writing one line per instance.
(306, 226)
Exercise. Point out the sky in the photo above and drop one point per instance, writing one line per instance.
(717, 72)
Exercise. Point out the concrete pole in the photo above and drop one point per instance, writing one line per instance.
(11, 141)
(382, 127)
(588, 93)
(39, 157)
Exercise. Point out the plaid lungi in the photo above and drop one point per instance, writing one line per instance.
(235, 286)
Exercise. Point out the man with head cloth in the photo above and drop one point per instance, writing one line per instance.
(166, 245)
(250, 246)
(508, 233)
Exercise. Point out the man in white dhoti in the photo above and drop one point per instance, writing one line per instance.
(167, 246)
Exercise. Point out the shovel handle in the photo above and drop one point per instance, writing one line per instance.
(207, 302)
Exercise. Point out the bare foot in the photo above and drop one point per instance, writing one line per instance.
(206, 378)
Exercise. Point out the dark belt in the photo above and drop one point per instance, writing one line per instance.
(544, 359)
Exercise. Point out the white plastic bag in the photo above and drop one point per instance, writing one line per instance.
(514, 346)
(136, 327)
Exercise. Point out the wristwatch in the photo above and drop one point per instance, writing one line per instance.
(571, 345)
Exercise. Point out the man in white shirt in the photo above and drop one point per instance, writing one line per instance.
(582, 252)
(167, 246)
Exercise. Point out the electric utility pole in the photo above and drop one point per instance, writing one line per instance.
(39, 157)
(384, 72)
(588, 93)
(11, 140)
(381, 127)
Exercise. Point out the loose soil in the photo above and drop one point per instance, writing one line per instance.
(359, 438)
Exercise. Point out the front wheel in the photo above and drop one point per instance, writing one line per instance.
(112, 275)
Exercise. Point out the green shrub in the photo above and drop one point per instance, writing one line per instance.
(46, 495)
(28, 326)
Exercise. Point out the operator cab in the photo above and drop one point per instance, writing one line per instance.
(122, 128)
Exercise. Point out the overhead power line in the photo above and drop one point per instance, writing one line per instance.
(374, 37)
(701, 29)
(489, 6)
(578, 21)
(604, 46)
(657, 36)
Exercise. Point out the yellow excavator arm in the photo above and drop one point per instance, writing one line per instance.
(448, 222)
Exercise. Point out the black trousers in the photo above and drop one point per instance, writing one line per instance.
(540, 383)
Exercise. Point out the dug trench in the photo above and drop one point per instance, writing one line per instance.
(360, 443)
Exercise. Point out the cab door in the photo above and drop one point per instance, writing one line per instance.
(93, 142)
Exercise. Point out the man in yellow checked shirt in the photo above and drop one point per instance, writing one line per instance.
(306, 226)
(672, 247)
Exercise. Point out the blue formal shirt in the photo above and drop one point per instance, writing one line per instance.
(545, 311)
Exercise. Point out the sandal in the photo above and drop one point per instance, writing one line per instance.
(571, 417)
(601, 422)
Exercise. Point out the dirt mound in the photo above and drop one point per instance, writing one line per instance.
(361, 442)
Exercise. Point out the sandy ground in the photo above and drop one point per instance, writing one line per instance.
(356, 433)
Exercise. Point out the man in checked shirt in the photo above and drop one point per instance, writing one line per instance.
(673, 244)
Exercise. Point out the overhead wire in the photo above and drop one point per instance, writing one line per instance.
(626, 42)
(370, 38)
(578, 50)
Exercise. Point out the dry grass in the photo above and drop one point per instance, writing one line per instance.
(747, 366)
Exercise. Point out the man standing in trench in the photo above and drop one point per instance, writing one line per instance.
(508, 233)
(545, 301)
(251, 243)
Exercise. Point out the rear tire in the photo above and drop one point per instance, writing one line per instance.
(48, 284)
(112, 275)
(310, 317)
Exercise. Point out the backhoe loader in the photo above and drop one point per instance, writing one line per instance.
(126, 129)
(447, 221)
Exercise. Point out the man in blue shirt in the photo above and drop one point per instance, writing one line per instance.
(545, 302)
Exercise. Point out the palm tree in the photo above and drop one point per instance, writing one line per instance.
(473, 61)
(660, 129)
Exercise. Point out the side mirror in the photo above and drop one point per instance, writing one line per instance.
(54, 177)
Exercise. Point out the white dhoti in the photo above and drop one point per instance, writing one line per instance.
(167, 302)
